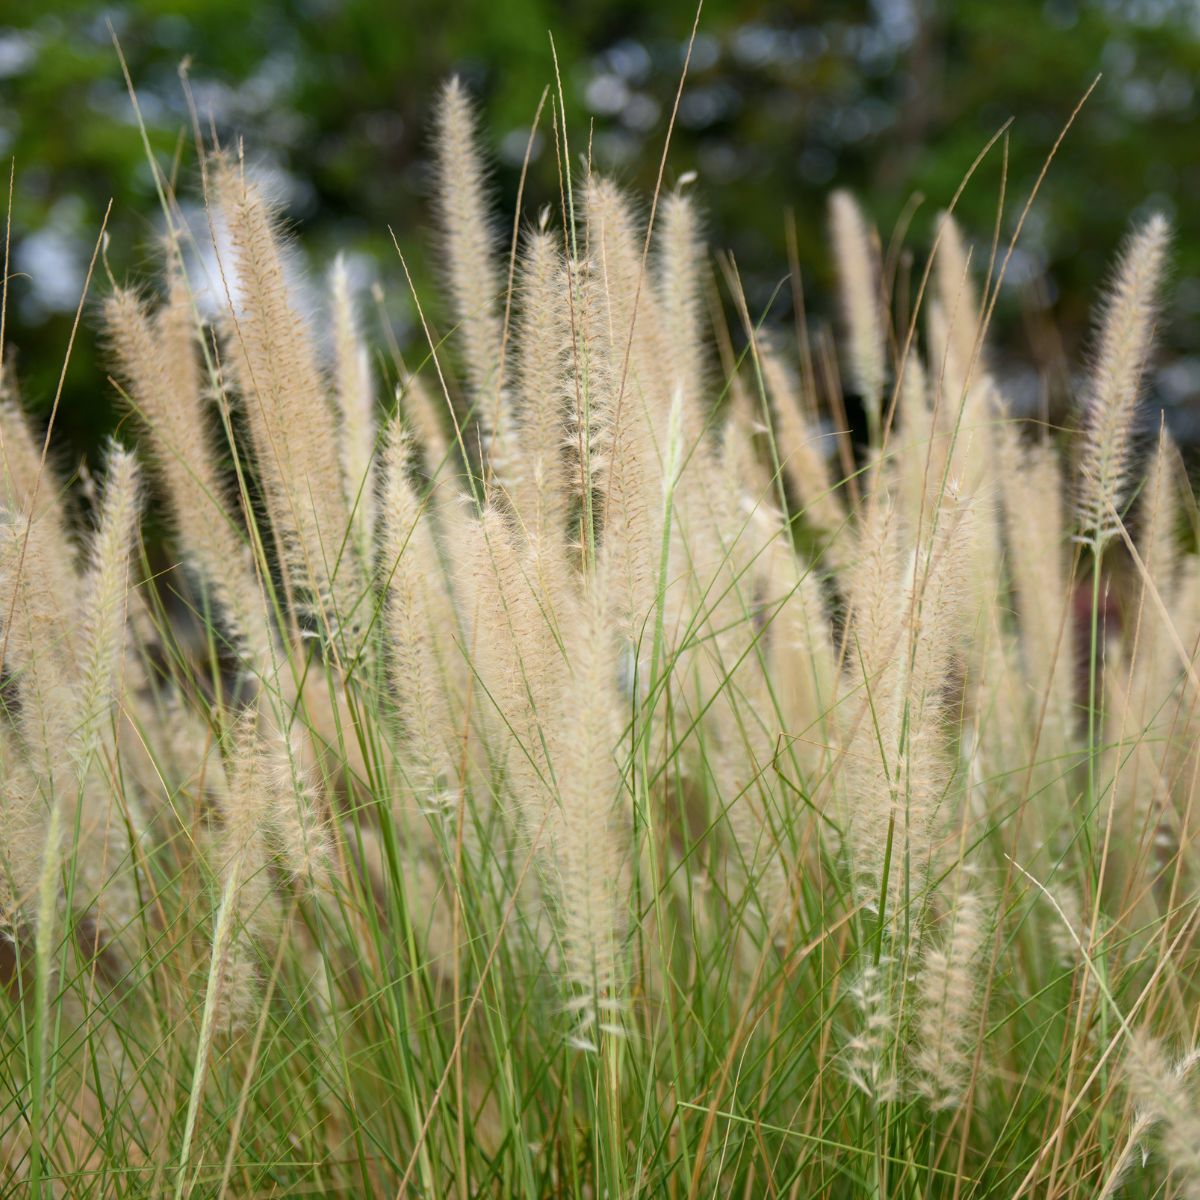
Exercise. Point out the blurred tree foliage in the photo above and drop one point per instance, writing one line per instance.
(333, 99)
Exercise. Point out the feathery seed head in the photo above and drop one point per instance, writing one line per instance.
(949, 986)
(1124, 341)
(474, 281)
(956, 292)
(106, 594)
(290, 419)
(1164, 1096)
(862, 308)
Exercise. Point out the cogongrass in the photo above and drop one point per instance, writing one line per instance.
(596, 776)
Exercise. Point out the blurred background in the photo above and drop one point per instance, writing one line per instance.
(893, 98)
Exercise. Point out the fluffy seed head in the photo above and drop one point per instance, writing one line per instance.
(956, 292)
(1124, 339)
(862, 315)
(290, 418)
(474, 281)
(949, 986)
(355, 397)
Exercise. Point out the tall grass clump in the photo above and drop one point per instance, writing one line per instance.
(598, 772)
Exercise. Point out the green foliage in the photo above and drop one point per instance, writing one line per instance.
(888, 98)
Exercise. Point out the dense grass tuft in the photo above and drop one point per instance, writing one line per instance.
(598, 774)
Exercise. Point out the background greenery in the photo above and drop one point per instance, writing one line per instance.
(892, 98)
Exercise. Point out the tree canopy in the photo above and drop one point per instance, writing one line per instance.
(332, 98)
